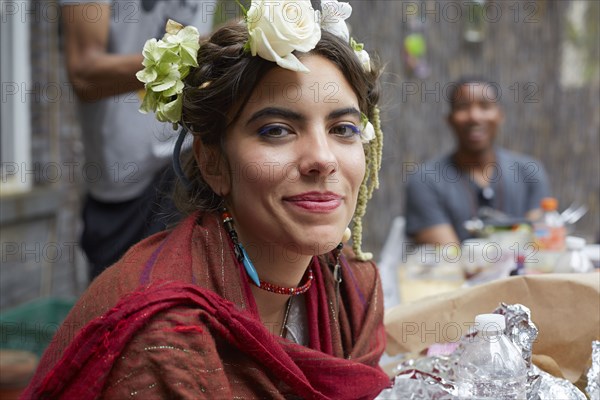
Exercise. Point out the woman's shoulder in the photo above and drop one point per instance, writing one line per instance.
(103, 294)
(163, 256)
(116, 281)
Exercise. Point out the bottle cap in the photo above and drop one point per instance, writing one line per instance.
(575, 243)
(549, 204)
(490, 322)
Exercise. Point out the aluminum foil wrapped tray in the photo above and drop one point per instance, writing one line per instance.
(432, 377)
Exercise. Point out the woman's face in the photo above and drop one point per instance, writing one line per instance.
(295, 160)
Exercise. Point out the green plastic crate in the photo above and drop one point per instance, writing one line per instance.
(31, 326)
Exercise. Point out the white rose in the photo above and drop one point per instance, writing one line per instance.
(278, 27)
(368, 132)
(364, 59)
(334, 18)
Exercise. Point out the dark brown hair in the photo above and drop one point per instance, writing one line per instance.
(220, 87)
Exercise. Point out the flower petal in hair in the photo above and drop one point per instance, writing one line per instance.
(166, 63)
(361, 53)
(277, 28)
(367, 133)
(333, 18)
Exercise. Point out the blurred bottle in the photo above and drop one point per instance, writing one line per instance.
(491, 366)
(574, 258)
(549, 231)
(519, 266)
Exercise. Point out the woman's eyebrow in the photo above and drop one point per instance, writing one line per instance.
(275, 112)
(295, 116)
(351, 111)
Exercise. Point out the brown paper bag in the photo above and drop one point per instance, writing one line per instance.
(564, 307)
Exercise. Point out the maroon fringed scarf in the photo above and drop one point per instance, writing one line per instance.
(203, 315)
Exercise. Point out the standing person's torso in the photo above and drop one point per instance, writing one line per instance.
(123, 147)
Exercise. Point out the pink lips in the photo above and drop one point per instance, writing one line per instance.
(320, 202)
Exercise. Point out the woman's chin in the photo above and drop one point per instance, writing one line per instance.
(318, 242)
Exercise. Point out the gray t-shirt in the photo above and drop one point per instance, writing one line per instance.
(440, 193)
(123, 147)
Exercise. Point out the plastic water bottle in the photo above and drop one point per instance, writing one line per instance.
(574, 259)
(491, 366)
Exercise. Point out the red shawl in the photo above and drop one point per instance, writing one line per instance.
(175, 318)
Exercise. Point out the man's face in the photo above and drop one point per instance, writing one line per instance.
(475, 117)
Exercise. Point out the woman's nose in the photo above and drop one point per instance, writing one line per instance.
(316, 155)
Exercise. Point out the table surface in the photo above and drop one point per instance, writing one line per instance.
(425, 273)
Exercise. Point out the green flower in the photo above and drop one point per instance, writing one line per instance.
(170, 111)
(166, 64)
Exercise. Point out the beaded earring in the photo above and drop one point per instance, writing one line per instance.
(239, 250)
(243, 259)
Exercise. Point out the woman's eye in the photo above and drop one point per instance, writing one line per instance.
(274, 131)
(345, 130)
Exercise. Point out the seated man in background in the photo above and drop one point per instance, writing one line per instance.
(447, 191)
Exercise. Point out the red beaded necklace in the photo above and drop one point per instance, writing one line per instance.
(290, 291)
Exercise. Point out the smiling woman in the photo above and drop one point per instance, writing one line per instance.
(310, 166)
(251, 296)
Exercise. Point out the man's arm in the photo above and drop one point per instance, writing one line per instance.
(534, 215)
(426, 218)
(94, 73)
(438, 234)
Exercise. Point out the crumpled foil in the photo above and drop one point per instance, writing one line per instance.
(522, 332)
(519, 328)
(433, 377)
(413, 384)
(553, 388)
(593, 374)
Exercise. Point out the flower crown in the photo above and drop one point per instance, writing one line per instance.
(275, 30)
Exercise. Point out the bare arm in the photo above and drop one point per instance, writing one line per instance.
(94, 73)
(534, 215)
(438, 234)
